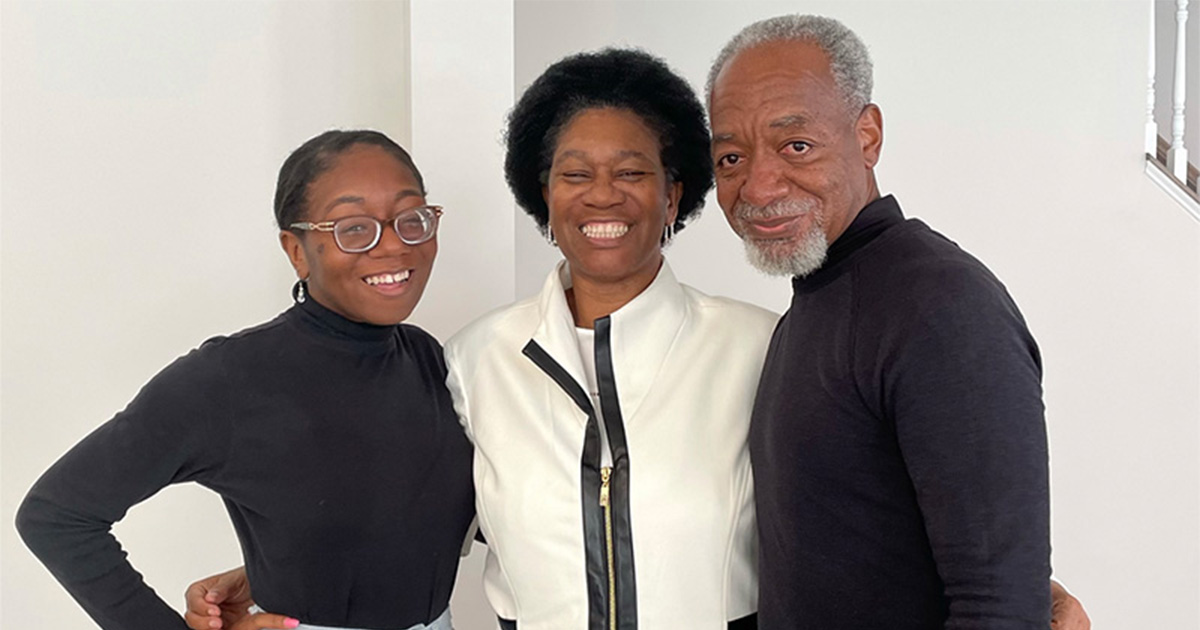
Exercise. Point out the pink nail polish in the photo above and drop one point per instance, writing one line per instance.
(291, 623)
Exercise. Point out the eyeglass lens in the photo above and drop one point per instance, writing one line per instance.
(414, 227)
(358, 234)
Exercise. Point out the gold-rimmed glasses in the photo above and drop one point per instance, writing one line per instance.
(358, 234)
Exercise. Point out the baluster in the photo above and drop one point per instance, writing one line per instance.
(1151, 126)
(1177, 160)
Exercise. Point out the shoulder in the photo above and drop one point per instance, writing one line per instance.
(918, 270)
(915, 245)
(422, 346)
(258, 332)
(728, 311)
(919, 296)
(246, 340)
(197, 382)
(728, 332)
(215, 363)
(492, 340)
(513, 321)
(418, 337)
(927, 299)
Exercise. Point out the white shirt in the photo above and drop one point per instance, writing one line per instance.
(587, 353)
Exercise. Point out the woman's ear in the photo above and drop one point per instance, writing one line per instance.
(294, 248)
(674, 194)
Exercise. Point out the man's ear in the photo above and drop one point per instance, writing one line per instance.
(294, 248)
(869, 129)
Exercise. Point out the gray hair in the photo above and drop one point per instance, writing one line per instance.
(848, 58)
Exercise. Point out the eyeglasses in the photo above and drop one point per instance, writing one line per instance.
(358, 234)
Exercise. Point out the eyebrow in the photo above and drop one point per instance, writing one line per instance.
(408, 192)
(575, 153)
(794, 120)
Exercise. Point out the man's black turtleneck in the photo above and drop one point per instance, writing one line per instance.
(335, 447)
(899, 445)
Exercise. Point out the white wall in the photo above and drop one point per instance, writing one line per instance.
(1015, 128)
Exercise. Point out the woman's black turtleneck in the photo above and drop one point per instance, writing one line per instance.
(337, 452)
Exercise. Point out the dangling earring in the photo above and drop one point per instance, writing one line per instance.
(668, 233)
(298, 291)
(550, 237)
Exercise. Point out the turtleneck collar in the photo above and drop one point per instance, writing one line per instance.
(872, 221)
(316, 318)
(642, 332)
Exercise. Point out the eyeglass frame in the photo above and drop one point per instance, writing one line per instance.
(331, 226)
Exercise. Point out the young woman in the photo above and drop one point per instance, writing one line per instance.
(327, 431)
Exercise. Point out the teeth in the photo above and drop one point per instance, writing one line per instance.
(605, 230)
(387, 278)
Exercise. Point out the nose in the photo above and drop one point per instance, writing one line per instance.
(602, 193)
(765, 181)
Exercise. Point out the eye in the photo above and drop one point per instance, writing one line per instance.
(413, 222)
(632, 174)
(575, 176)
(728, 160)
(798, 146)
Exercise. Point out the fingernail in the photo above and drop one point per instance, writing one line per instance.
(291, 623)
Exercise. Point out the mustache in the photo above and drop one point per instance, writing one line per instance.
(782, 208)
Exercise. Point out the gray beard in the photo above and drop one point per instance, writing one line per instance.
(797, 257)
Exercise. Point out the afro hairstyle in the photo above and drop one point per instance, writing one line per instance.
(620, 78)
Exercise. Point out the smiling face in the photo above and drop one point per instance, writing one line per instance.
(793, 165)
(609, 198)
(380, 286)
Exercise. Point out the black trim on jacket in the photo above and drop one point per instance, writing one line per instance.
(619, 481)
(593, 517)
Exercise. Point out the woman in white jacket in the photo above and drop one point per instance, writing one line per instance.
(609, 412)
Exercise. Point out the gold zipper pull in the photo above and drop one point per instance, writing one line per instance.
(605, 476)
(605, 473)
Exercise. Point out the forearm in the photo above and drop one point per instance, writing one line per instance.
(87, 560)
(67, 517)
(993, 558)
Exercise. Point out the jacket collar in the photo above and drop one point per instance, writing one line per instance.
(642, 333)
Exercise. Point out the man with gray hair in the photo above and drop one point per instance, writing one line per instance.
(898, 439)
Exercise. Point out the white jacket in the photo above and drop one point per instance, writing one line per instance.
(678, 530)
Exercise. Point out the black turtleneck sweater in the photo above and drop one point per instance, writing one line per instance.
(898, 443)
(336, 450)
